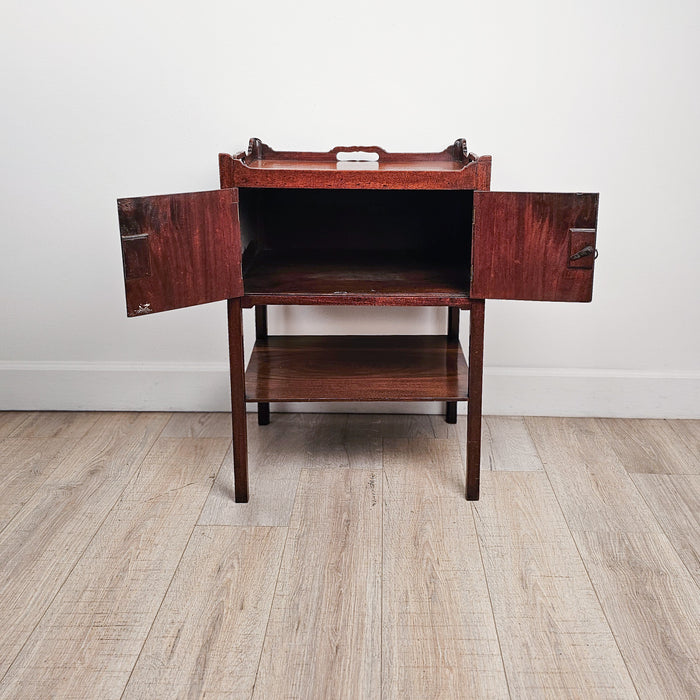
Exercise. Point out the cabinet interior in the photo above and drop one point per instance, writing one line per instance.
(323, 241)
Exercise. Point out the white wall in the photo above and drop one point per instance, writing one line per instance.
(132, 98)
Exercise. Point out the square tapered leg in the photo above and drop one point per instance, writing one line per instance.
(476, 371)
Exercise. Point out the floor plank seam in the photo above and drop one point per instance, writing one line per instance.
(623, 538)
(680, 436)
(488, 592)
(595, 590)
(216, 476)
(583, 562)
(82, 554)
(21, 423)
(381, 583)
(175, 569)
(274, 593)
(663, 530)
(381, 596)
(58, 464)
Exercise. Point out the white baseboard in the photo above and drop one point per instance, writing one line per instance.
(157, 386)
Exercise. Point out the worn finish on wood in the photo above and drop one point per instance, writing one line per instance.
(41, 545)
(93, 631)
(439, 637)
(25, 463)
(364, 299)
(520, 245)
(180, 250)
(476, 373)
(554, 637)
(324, 634)
(356, 274)
(207, 638)
(650, 446)
(593, 488)
(675, 501)
(238, 413)
(652, 605)
(356, 368)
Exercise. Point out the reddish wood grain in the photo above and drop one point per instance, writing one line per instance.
(483, 175)
(357, 368)
(476, 373)
(238, 409)
(355, 272)
(262, 166)
(180, 250)
(413, 177)
(257, 150)
(461, 300)
(226, 176)
(520, 245)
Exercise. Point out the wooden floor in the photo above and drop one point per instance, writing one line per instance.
(357, 570)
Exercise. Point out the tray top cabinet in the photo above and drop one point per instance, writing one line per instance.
(321, 228)
(356, 226)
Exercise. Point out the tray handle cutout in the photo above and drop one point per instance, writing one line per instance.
(358, 153)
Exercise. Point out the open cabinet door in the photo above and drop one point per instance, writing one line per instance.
(180, 250)
(532, 245)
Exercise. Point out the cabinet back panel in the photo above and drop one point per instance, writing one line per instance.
(436, 223)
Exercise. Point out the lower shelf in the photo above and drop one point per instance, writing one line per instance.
(357, 368)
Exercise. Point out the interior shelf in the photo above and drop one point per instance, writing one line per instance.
(356, 273)
(357, 368)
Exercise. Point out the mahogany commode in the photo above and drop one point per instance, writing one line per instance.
(338, 228)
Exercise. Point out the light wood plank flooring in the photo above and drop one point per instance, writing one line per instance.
(357, 570)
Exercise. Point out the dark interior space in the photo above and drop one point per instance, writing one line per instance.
(355, 241)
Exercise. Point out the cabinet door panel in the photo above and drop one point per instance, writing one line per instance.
(180, 250)
(523, 244)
